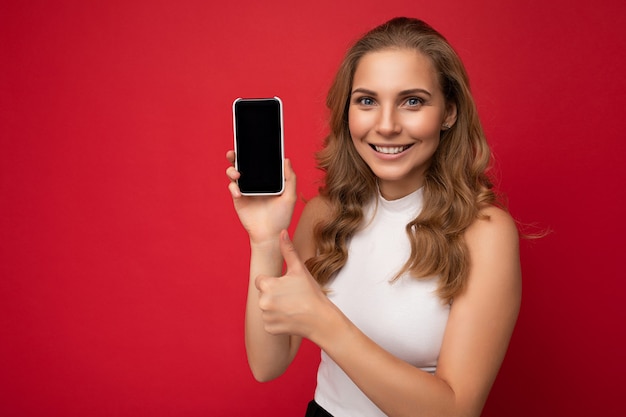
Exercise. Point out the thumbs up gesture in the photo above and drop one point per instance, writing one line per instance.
(293, 303)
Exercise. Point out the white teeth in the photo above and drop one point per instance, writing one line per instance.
(390, 149)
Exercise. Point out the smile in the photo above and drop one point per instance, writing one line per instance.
(390, 150)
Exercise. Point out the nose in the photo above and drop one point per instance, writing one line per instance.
(387, 123)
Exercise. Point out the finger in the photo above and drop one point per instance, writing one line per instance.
(290, 177)
(261, 283)
(288, 250)
(232, 173)
(230, 156)
(257, 282)
(234, 189)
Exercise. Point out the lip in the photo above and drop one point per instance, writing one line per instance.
(388, 151)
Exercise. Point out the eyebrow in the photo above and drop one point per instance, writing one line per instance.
(402, 93)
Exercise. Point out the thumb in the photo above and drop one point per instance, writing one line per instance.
(289, 252)
(290, 177)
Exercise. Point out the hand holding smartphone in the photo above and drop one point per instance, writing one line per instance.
(259, 147)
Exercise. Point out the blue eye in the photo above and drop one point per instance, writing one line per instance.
(366, 101)
(414, 101)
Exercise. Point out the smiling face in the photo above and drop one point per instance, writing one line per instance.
(396, 114)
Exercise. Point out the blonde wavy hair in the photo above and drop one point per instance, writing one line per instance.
(456, 186)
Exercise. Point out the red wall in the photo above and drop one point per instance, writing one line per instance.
(123, 267)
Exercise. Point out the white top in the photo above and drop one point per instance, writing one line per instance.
(405, 317)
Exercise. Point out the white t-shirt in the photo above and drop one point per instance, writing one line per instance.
(404, 317)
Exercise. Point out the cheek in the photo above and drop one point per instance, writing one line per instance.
(422, 126)
(358, 123)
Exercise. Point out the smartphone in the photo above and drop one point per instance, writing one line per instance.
(259, 147)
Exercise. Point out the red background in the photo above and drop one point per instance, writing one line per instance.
(123, 267)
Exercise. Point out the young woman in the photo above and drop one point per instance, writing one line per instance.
(403, 270)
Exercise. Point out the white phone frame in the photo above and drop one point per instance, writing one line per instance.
(282, 143)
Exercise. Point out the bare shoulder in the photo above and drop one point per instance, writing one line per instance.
(318, 205)
(494, 227)
(493, 245)
(315, 210)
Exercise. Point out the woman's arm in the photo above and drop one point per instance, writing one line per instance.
(268, 355)
(270, 352)
(482, 319)
(477, 334)
(263, 218)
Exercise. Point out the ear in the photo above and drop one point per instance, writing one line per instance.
(450, 116)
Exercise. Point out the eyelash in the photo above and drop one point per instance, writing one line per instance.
(362, 101)
(417, 99)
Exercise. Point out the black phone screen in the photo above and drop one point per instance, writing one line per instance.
(258, 145)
